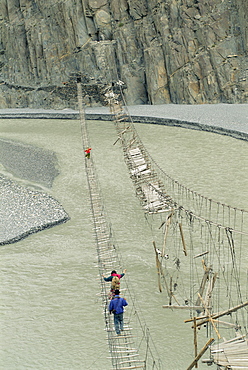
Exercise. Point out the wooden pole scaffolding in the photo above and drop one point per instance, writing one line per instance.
(210, 318)
(205, 319)
(160, 272)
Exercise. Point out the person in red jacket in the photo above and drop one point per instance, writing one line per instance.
(110, 278)
(87, 151)
(114, 273)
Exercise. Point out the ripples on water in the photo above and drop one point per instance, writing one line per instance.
(51, 315)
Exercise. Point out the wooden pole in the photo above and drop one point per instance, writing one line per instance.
(210, 341)
(195, 341)
(229, 324)
(158, 265)
(202, 286)
(120, 137)
(160, 272)
(208, 296)
(171, 293)
(197, 308)
(167, 224)
(201, 254)
(183, 240)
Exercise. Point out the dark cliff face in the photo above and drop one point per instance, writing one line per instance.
(174, 51)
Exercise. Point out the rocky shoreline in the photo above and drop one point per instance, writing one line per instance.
(25, 207)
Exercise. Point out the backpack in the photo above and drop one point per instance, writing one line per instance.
(115, 284)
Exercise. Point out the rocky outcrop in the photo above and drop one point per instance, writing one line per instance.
(175, 51)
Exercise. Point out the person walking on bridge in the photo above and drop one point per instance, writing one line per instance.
(116, 307)
(114, 273)
(115, 281)
(87, 151)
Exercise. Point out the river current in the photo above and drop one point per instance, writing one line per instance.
(51, 316)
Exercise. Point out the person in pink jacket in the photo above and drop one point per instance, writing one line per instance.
(110, 278)
(114, 273)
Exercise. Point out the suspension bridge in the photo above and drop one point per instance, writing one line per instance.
(190, 215)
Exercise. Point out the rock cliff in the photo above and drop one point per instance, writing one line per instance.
(165, 51)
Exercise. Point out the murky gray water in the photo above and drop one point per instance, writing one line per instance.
(51, 315)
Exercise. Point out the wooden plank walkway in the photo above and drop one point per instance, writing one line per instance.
(149, 189)
(232, 354)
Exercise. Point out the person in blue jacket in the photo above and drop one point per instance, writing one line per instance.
(116, 307)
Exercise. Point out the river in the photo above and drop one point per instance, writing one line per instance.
(51, 315)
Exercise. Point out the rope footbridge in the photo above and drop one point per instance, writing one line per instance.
(201, 240)
(133, 348)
